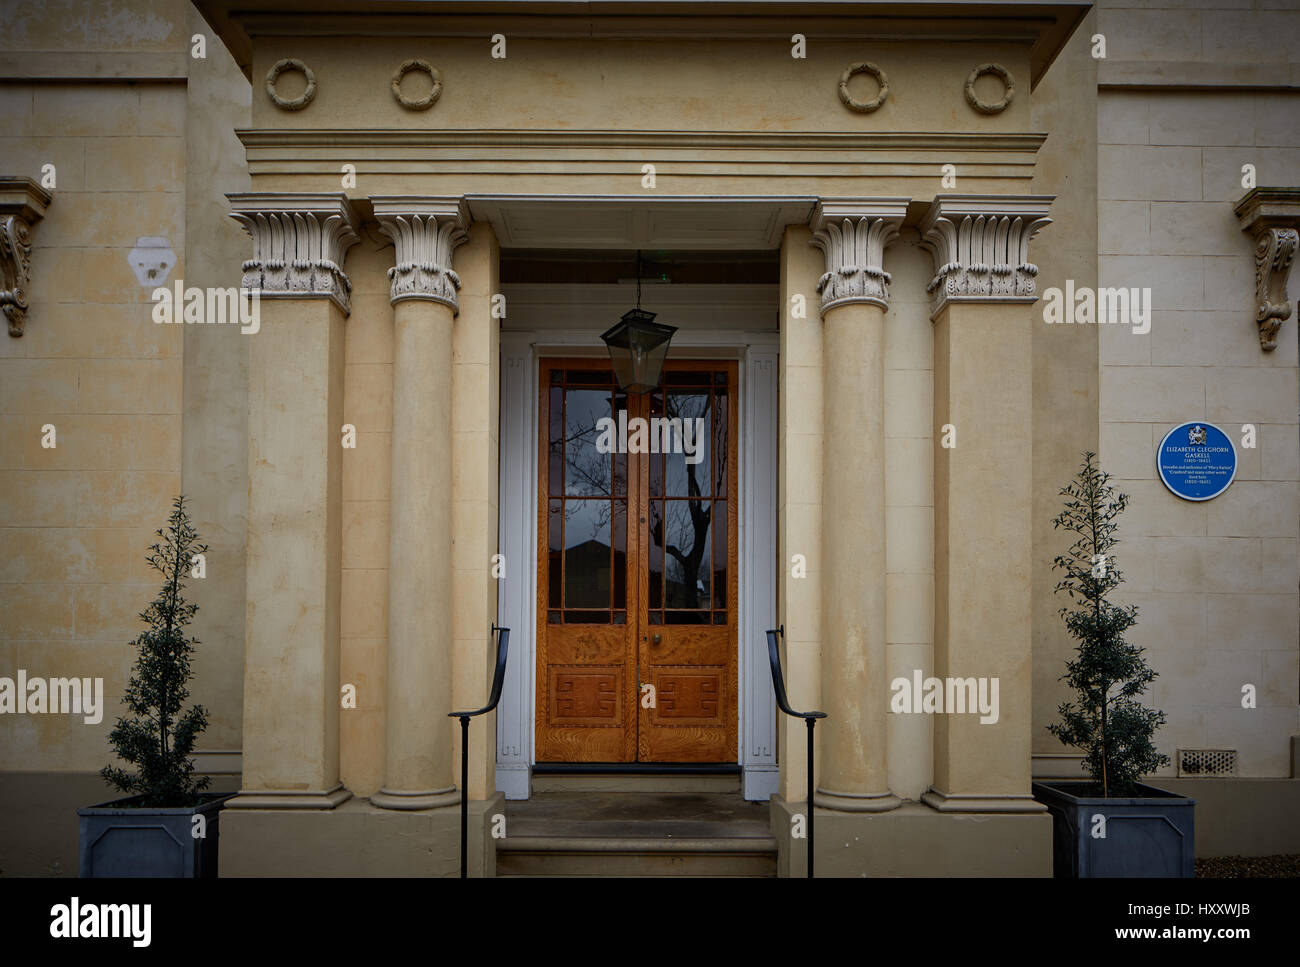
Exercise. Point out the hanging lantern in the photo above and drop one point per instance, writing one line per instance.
(638, 346)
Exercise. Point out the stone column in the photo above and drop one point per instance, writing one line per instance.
(425, 231)
(295, 414)
(799, 489)
(982, 301)
(853, 233)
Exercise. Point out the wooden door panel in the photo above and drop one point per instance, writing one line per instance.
(586, 638)
(643, 593)
(687, 608)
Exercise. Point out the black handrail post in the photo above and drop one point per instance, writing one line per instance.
(464, 794)
(778, 685)
(498, 679)
(812, 724)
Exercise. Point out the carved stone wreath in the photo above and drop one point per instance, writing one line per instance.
(996, 107)
(303, 99)
(864, 107)
(423, 103)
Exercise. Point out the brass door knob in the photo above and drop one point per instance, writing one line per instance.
(656, 638)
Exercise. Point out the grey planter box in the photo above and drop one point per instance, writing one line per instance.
(1149, 835)
(118, 839)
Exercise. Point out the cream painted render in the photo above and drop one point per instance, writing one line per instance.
(1134, 165)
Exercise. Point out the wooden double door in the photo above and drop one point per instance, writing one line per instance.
(636, 579)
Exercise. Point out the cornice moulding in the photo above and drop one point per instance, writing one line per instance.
(22, 205)
(855, 141)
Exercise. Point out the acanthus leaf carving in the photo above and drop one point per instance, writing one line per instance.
(22, 204)
(980, 247)
(852, 234)
(299, 244)
(1271, 216)
(425, 233)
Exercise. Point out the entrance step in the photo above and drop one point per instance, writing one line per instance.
(567, 833)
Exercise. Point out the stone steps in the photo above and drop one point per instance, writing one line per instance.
(614, 856)
(622, 834)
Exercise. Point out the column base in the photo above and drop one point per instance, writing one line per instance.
(290, 799)
(849, 802)
(402, 799)
(964, 803)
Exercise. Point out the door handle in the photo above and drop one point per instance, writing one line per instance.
(656, 638)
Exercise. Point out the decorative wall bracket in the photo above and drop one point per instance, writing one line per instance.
(853, 233)
(1271, 216)
(425, 231)
(22, 205)
(980, 247)
(299, 244)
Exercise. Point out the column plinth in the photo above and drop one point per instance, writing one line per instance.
(419, 772)
(853, 234)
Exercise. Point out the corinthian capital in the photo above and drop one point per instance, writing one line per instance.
(852, 233)
(299, 243)
(425, 231)
(980, 247)
(1271, 216)
(22, 205)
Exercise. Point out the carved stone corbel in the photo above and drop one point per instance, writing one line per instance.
(22, 205)
(1271, 217)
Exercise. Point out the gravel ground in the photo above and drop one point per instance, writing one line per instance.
(1234, 867)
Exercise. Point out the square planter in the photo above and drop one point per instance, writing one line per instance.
(1148, 835)
(118, 839)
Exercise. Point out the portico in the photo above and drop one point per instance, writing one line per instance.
(412, 310)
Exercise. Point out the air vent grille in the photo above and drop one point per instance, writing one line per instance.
(1207, 762)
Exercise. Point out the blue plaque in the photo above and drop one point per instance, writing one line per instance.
(1196, 461)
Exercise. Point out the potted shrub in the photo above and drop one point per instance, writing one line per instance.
(166, 825)
(1111, 824)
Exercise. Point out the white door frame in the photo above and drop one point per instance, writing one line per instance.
(757, 352)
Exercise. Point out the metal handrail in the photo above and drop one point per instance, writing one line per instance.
(498, 680)
(810, 718)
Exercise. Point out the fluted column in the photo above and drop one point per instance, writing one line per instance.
(853, 234)
(295, 412)
(982, 297)
(424, 294)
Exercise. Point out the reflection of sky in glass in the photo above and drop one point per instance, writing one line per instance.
(587, 472)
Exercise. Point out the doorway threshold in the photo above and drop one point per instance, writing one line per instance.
(636, 769)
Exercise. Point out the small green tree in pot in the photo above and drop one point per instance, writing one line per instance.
(1108, 673)
(158, 739)
(1105, 719)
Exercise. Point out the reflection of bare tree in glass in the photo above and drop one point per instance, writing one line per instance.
(586, 470)
(693, 527)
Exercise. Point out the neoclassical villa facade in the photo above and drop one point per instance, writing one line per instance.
(919, 257)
